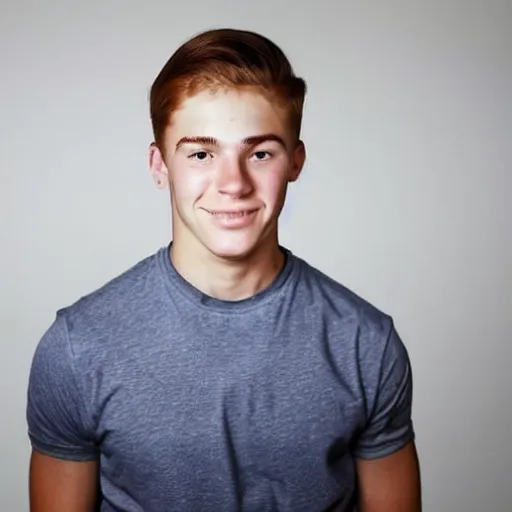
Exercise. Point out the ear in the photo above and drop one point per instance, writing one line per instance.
(298, 159)
(157, 167)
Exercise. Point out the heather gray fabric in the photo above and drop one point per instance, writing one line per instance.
(197, 404)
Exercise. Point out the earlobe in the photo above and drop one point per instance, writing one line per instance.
(157, 167)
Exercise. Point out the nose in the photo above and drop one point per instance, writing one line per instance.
(232, 179)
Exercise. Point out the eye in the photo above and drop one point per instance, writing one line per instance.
(261, 155)
(200, 156)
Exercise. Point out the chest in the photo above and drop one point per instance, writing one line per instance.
(228, 401)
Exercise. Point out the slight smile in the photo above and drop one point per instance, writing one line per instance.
(233, 219)
(230, 214)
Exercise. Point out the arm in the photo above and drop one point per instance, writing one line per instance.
(63, 474)
(386, 460)
(62, 486)
(391, 483)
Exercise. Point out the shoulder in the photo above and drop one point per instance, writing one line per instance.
(357, 333)
(342, 306)
(361, 339)
(116, 303)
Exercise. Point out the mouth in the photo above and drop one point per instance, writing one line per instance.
(231, 214)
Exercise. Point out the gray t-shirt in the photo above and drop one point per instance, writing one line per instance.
(197, 404)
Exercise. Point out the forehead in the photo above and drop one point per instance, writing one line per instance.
(229, 115)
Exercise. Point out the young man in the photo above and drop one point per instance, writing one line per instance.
(223, 373)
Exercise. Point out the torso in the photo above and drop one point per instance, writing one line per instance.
(205, 406)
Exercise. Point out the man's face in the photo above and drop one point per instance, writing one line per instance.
(228, 160)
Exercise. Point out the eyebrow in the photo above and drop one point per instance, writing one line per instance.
(248, 142)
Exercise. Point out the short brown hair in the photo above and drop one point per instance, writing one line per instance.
(225, 58)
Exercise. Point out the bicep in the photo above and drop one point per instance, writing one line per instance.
(59, 424)
(388, 426)
(61, 486)
(391, 483)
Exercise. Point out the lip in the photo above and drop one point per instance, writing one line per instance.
(232, 219)
(239, 211)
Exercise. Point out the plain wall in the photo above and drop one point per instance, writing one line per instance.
(405, 198)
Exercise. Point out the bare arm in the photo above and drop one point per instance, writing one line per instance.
(390, 484)
(62, 486)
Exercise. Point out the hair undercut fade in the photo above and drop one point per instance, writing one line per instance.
(225, 58)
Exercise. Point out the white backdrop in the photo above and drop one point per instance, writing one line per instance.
(406, 196)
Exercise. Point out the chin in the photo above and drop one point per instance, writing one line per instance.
(231, 249)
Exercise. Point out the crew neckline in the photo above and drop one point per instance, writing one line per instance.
(177, 283)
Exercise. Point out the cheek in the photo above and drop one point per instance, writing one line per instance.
(189, 183)
(272, 185)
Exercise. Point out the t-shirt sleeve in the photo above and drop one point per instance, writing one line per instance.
(389, 425)
(58, 424)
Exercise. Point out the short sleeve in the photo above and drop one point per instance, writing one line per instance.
(389, 426)
(56, 416)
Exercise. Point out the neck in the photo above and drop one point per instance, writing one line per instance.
(227, 279)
